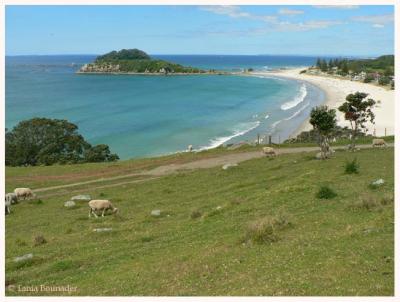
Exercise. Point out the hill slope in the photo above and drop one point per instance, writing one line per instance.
(330, 247)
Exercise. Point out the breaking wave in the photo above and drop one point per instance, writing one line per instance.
(241, 129)
(297, 100)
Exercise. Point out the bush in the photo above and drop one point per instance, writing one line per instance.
(195, 214)
(387, 199)
(303, 71)
(384, 81)
(325, 192)
(265, 229)
(39, 240)
(367, 202)
(352, 167)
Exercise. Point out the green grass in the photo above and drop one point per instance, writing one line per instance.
(45, 176)
(322, 248)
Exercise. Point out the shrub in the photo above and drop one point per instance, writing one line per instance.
(195, 214)
(265, 229)
(39, 240)
(367, 202)
(387, 199)
(262, 231)
(325, 192)
(352, 167)
(303, 71)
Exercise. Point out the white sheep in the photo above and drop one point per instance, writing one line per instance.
(269, 151)
(100, 204)
(378, 142)
(12, 198)
(8, 205)
(24, 193)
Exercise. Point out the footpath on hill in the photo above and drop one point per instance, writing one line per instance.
(163, 170)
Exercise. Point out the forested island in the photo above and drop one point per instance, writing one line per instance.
(135, 61)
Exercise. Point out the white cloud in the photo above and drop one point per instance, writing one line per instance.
(274, 24)
(286, 11)
(336, 6)
(236, 12)
(376, 25)
(376, 19)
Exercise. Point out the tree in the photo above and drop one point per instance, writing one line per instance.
(323, 121)
(324, 65)
(318, 63)
(99, 153)
(345, 67)
(42, 141)
(358, 111)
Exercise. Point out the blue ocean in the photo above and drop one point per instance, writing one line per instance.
(144, 116)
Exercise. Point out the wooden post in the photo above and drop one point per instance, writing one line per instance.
(269, 140)
(258, 138)
(385, 131)
(279, 139)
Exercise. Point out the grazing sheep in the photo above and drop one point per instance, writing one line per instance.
(100, 204)
(378, 142)
(8, 205)
(269, 151)
(12, 198)
(24, 193)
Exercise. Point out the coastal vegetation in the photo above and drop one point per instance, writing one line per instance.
(135, 61)
(260, 223)
(379, 70)
(323, 121)
(43, 141)
(358, 112)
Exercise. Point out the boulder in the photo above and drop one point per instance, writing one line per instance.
(155, 213)
(69, 204)
(227, 166)
(23, 258)
(102, 230)
(81, 198)
(378, 182)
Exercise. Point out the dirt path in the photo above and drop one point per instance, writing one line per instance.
(197, 164)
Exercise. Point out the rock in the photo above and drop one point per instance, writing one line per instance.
(378, 182)
(102, 230)
(69, 204)
(23, 258)
(155, 213)
(227, 166)
(219, 208)
(318, 155)
(81, 198)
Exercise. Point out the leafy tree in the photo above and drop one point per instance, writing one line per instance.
(42, 141)
(99, 153)
(384, 81)
(358, 111)
(323, 121)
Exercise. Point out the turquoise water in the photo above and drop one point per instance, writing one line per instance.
(140, 116)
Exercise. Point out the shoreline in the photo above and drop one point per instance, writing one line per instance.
(336, 90)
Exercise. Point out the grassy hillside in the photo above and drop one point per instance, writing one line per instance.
(200, 244)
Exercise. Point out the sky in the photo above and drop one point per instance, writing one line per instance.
(348, 30)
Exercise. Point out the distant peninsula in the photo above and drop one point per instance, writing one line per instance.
(135, 61)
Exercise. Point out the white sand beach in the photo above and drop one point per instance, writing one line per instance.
(336, 91)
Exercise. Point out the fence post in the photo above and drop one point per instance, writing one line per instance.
(385, 131)
(258, 138)
(269, 140)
